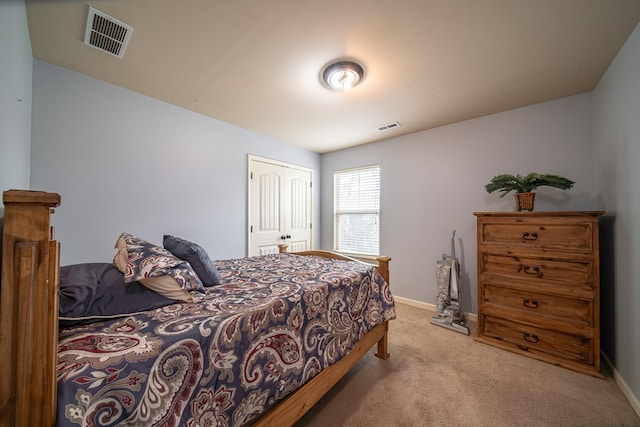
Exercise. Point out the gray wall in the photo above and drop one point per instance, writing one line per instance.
(15, 96)
(125, 162)
(433, 181)
(617, 177)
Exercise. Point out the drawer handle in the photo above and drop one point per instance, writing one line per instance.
(530, 303)
(531, 337)
(531, 270)
(529, 236)
(523, 348)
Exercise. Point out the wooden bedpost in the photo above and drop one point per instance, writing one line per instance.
(29, 310)
(383, 267)
(383, 344)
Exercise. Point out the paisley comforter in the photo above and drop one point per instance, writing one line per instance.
(273, 323)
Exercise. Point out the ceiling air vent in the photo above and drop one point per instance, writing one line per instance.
(388, 126)
(106, 33)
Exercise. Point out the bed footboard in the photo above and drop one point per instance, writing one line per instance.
(291, 409)
(28, 310)
(383, 269)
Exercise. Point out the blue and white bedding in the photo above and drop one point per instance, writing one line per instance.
(271, 324)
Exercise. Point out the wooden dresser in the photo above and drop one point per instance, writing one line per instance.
(539, 286)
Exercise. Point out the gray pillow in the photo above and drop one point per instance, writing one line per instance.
(195, 255)
(97, 291)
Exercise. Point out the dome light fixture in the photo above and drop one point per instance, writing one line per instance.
(342, 75)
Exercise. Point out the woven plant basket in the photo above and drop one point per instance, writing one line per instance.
(524, 201)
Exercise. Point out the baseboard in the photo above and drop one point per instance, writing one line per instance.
(431, 307)
(622, 385)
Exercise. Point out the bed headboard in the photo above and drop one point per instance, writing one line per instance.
(28, 310)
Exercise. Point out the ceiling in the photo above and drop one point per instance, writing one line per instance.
(256, 64)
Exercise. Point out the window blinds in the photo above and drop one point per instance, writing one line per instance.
(357, 210)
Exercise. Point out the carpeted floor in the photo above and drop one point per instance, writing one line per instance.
(436, 377)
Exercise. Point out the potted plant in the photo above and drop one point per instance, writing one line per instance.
(524, 186)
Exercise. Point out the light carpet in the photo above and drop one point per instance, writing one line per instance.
(436, 377)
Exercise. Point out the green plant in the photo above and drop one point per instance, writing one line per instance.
(526, 184)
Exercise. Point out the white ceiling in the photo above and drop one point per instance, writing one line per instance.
(256, 63)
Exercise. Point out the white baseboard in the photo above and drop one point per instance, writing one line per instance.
(622, 385)
(431, 307)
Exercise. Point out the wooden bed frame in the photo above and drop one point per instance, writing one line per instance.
(29, 321)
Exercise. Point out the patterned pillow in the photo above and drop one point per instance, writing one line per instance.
(145, 261)
(195, 255)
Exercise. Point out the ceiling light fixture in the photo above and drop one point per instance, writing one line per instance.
(342, 75)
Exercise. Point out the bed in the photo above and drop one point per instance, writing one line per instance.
(260, 347)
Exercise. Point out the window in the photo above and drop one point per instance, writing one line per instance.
(357, 211)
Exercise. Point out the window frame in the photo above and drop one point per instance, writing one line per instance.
(365, 211)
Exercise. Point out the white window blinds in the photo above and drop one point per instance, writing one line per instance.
(357, 210)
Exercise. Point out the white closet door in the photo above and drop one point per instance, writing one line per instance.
(298, 217)
(279, 207)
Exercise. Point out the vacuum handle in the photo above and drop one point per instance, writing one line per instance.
(453, 245)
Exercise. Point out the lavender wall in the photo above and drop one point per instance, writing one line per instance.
(15, 96)
(125, 162)
(616, 137)
(433, 181)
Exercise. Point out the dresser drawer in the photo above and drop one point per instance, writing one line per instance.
(547, 308)
(545, 272)
(537, 340)
(532, 233)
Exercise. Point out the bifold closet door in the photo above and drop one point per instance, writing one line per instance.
(279, 207)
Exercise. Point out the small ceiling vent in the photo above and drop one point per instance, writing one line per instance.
(388, 126)
(106, 33)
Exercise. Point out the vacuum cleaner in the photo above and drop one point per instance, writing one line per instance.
(449, 314)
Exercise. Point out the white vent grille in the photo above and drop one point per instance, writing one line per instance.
(388, 126)
(106, 33)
